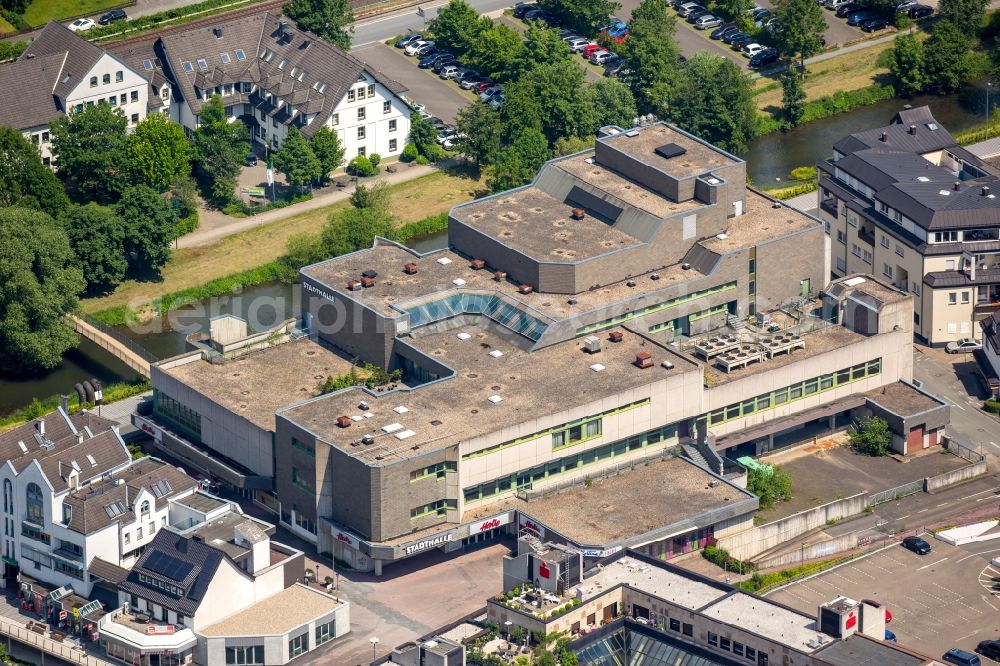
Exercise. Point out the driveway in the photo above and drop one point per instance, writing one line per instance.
(441, 99)
(937, 600)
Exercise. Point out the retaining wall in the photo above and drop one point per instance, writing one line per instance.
(933, 483)
(811, 552)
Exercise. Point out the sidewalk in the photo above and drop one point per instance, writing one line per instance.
(214, 225)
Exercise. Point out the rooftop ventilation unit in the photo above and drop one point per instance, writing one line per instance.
(913, 130)
(392, 427)
(666, 365)
(670, 150)
(463, 336)
(217, 32)
(884, 137)
(957, 186)
(616, 336)
(986, 191)
(353, 285)
(458, 282)
(406, 434)
(363, 406)
(630, 283)
(369, 274)
(478, 264)
(654, 276)
(410, 268)
(500, 276)
(721, 236)
(496, 353)
(592, 344)
(444, 261)
(644, 360)
(578, 214)
(525, 289)
(495, 399)
(400, 410)
(344, 421)
(367, 282)
(597, 367)
(632, 133)
(686, 266)
(367, 439)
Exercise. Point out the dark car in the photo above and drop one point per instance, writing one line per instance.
(872, 25)
(723, 30)
(739, 42)
(961, 658)
(429, 61)
(729, 37)
(522, 8)
(989, 649)
(697, 14)
(857, 18)
(112, 16)
(424, 51)
(408, 39)
(251, 160)
(844, 11)
(442, 63)
(919, 11)
(766, 57)
(917, 545)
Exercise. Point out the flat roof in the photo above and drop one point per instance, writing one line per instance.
(857, 649)
(764, 618)
(626, 505)
(445, 412)
(279, 614)
(686, 591)
(763, 219)
(255, 385)
(200, 501)
(904, 399)
(220, 533)
(538, 225)
(698, 157)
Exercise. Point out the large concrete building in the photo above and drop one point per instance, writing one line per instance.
(634, 300)
(906, 202)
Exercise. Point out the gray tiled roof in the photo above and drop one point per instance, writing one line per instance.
(991, 330)
(300, 50)
(27, 85)
(81, 55)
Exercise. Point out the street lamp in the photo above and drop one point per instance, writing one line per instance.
(98, 395)
(507, 624)
(374, 641)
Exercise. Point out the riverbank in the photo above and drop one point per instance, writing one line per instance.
(38, 407)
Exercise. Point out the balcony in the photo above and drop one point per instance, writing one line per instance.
(138, 631)
(829, 206)
(866, 236)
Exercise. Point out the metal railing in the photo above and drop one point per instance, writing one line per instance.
(527, 493)
(911, 488)
(964, 452)
(67, 652)
(121, 338)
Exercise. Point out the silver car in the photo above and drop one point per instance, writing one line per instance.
(706, 22)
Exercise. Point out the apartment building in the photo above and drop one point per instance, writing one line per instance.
(909, 204)
(634, 301)
(59, 72)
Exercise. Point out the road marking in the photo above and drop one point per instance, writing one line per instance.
(928, 509)
(991, 490)
(954, 404)
(962, 559)
(932, 564)
(987, 602)
(901, 517)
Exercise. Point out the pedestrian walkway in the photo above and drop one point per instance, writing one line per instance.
(807, 202)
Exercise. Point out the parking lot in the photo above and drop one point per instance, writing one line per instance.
(937, 600)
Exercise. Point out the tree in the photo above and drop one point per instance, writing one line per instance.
(907, 64)
(583, 16)
(330, 19)
(613, 103)
(158, 152)
(457, 26)
(375, 197)
(328, 150)
(793, 96)
(871, 436)
(150, 224)
(497, 52)
(297, 160)
(723, 113)
(219, 150)
(800, 29)
(480, 129)
(24, 180)
(354, 229)
(945, 58)
(551, 98)
(422, 134)
(90, 147)
(735, 10)
(966, 15)
(97, 237)
(652, 56)
(542, 45)
(519, 163)
(770, 484)
(39, 284)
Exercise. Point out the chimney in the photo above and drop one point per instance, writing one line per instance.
(353, 285)
(615, 336)
(344, 421)
(500, 276)
(644, 360)
(79, 438)
(367, 282)
(217, 32)
(282, 24)
(410, 268)
(578, 214)
(913, 130)
(957, 186)
(986, 191)
(478, 264)
(40, 426)
(884, 137)
(525, 289)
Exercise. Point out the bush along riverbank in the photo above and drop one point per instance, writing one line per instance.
(831, 105)
(112, 393)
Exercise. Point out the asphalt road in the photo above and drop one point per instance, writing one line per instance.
(407, 20)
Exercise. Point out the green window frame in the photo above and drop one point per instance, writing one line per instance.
(302, 483)
(308, 449)
(577, 433)
(642, 312)
(439, 507)
(437, 470)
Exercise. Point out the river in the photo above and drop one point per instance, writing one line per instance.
(768, 158)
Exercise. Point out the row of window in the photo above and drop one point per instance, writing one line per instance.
(386, 108)
(177, 413)
(953, 297)
(308, 449)
(680, 323)
(737, 648)
(36, 533)
(360, 92)
(127, 534)
(298, 645)
(795, 392)
(161, 585)
(525, 478)
(106, 79)
(437, 470)
(641, 312)
(302, 482)
(40, 136)
(439, 507)
(245, 655)
(865, 255)
(562, 428)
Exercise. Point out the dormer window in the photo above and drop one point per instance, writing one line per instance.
(144, 508)
(67, 513)
(281, 65)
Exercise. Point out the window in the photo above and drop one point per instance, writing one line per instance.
(371, 91)
(225, 58)
(361, 133)
(113, 101)
(361, 113)
(841, 236)
(952, 297)
(439, 507)
(738, 648)
(392, 125)
(575, 434)
(123, 99)
(751, 653)
(119, 76)
(675, 625)
(856, 250)
(899, 250)
(641, 312)
(144, 508)
(8, 497)
(177, 414)
(135, 118)
(724, 644)
(887, 270)
(240, 55)
(361, 151)
(165, 93)
(147, 65)
(392, 145)
(437, 470)
(34, 139)
(152, 527)
(249, 654)
(93, 82)
(868, 257)
(885, 241)
(965, 297)
(713, 639)
(752, 287)
(202, 64)
(298, 645)
(301, 482)
(335, 119)
(350, 95)
(35, 503)
(128, 538)
(308, 449)
(688, 630)
(325, 632)
(187, 67)
(134, 96)
(106, 79)
(386, 107)
(945, 236)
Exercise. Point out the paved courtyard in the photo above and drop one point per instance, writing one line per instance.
(937, 600)
(827, 470)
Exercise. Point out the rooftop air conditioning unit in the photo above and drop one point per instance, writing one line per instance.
(616, 336)
(500, 276)
(353, 285)
(525, 289)
(578, 214)
(367, 282)
(367, 439)
(644, 360)
(592, 344)
(344, 421)
(478, 264)
(363, 406)
(410, 268)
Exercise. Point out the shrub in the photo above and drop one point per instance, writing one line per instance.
(720, 557)
(871, 436)
(771, 485)
(803, 173)
(410, 153)
(375, 158)
(992, 406)
(361, 166)
(428, 225)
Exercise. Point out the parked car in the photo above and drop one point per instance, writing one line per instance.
(872, 602)
(766, 57)
(566, 32)
(406, 40)
(522, 8)
(251, 160)
(417, 106)
(706, 22)
(874, 25)
(762, 18)
(903, 5)
(578, 44)
(693, 17)
(964, 345)
(570, 36)
(590, 49)
(613, 66)
(723, 30)
(857, 18)
(82, 25)
(837, 4)
(846, 10)
(489, 93)
(889, 636)
(112, 16)
(917, 545)
(729, 37)
(961, 658)
(687, 8)
(919, 11)
(497, 100)
(442, 63)
(470, 80)
(414, 46)
(738, 43)
(451, 143)
(539, 15)
(752, 49)
(989, 649)
(425, 50)
(431, 60)
(447, 132)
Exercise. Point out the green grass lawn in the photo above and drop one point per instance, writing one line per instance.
(39, 12)
(5, 27)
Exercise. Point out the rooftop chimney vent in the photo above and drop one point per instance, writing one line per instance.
(578, 214)
(353, 285)
(367, 438)
(344, 421)
(615, 336)
(913, 130)
(500, 276)
(478, 264)
(644, 360)
(986, 191)
(217, 32)
(592, 344)
(525, 289)
(367, 282)
(884, 137)
(957, 186)
(654, 276)
(410, 268)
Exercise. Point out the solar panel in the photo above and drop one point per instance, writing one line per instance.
(168, 566)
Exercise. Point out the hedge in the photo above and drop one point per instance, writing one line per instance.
(992, 405)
